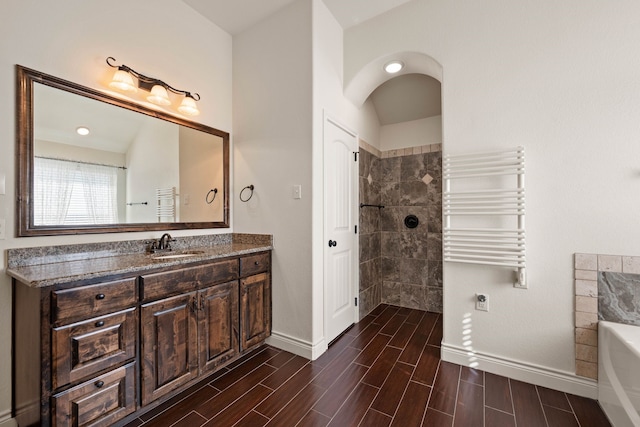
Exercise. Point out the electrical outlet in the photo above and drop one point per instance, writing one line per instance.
(482, 302)
(2, 229)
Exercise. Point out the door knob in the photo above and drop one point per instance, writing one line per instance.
(333, 243)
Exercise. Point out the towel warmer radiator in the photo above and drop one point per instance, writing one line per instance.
(494, 191)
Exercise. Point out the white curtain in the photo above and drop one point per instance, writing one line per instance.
(70, 193)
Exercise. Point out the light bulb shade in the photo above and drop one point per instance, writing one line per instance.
(122, 80)
(188, 107)
(159, 95)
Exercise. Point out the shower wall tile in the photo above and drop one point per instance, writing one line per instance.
(434, 245)
(413, 168)
(414, 193)
(405, 269)
(390, 193)
(434, 299)
(414, 271)
(391, 293)
(434, 278)
(390, 269)
(390, 169)
(434, 216)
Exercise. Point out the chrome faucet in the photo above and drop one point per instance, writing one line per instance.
(165, 242)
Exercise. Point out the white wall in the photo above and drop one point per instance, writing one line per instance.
(152, 163)
(413, 133)
(560, 79)
(328, 99)
(272, 151)
(71, 39)
(200, 172)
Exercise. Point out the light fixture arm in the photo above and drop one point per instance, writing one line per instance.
(151, 80)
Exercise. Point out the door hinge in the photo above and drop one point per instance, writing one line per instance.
(355, 156)
(356, 301)
(356, 229)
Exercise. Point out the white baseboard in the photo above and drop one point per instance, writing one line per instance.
(297, 346)
(521, 371)
(6, 420)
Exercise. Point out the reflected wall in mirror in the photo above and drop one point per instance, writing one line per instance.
(137, 169)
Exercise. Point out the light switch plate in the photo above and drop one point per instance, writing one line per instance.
(2, 229)
(297, 191)
(2, 188)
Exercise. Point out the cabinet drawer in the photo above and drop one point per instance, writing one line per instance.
(93, 300)
(82, 349)
(254, 264)
(99, 402)
(160, 285)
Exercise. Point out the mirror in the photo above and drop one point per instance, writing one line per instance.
(137, 169)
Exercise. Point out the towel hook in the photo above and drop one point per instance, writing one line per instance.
(250, 188)
(215, 193)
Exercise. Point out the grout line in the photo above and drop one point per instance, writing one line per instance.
(513, 405)
(544, 414)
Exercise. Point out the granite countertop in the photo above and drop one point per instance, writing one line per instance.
(75, 266)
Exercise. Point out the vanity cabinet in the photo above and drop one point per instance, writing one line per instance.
(255, 299)
(192, 333)
(95, 352)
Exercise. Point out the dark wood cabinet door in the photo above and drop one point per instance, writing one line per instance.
(82, 349)
(99, 402)
(218, 325)
(169, 345)
(255, 309)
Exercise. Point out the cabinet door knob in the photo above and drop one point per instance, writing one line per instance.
(99, 324)
(100, 296)
(99, 384)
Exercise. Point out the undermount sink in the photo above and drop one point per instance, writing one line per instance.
(178, 255)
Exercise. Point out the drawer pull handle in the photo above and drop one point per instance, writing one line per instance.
(100, 296)
(257, 262)
(99, 324)
(99, 384)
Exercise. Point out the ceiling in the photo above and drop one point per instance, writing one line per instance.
(236, 16)
(407, 97)
(403, 98)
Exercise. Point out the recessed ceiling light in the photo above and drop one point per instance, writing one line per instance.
(82, 130)
(393, 67)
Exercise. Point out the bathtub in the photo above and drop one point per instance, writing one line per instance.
(619, 373)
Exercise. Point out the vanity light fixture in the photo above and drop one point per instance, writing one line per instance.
(159, 90)
(82, 130)
(393, 66)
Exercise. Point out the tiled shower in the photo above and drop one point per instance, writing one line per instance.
(400, 265)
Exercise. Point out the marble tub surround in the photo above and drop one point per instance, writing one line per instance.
(619, 297)
(50, 265)
(607, 287)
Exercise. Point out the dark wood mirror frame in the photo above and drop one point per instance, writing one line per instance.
(25, 146)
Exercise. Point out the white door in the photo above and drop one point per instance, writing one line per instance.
(341, 244)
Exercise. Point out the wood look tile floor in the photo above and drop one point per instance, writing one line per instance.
(385, 371)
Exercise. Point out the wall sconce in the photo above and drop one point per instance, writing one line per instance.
(158, 90)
